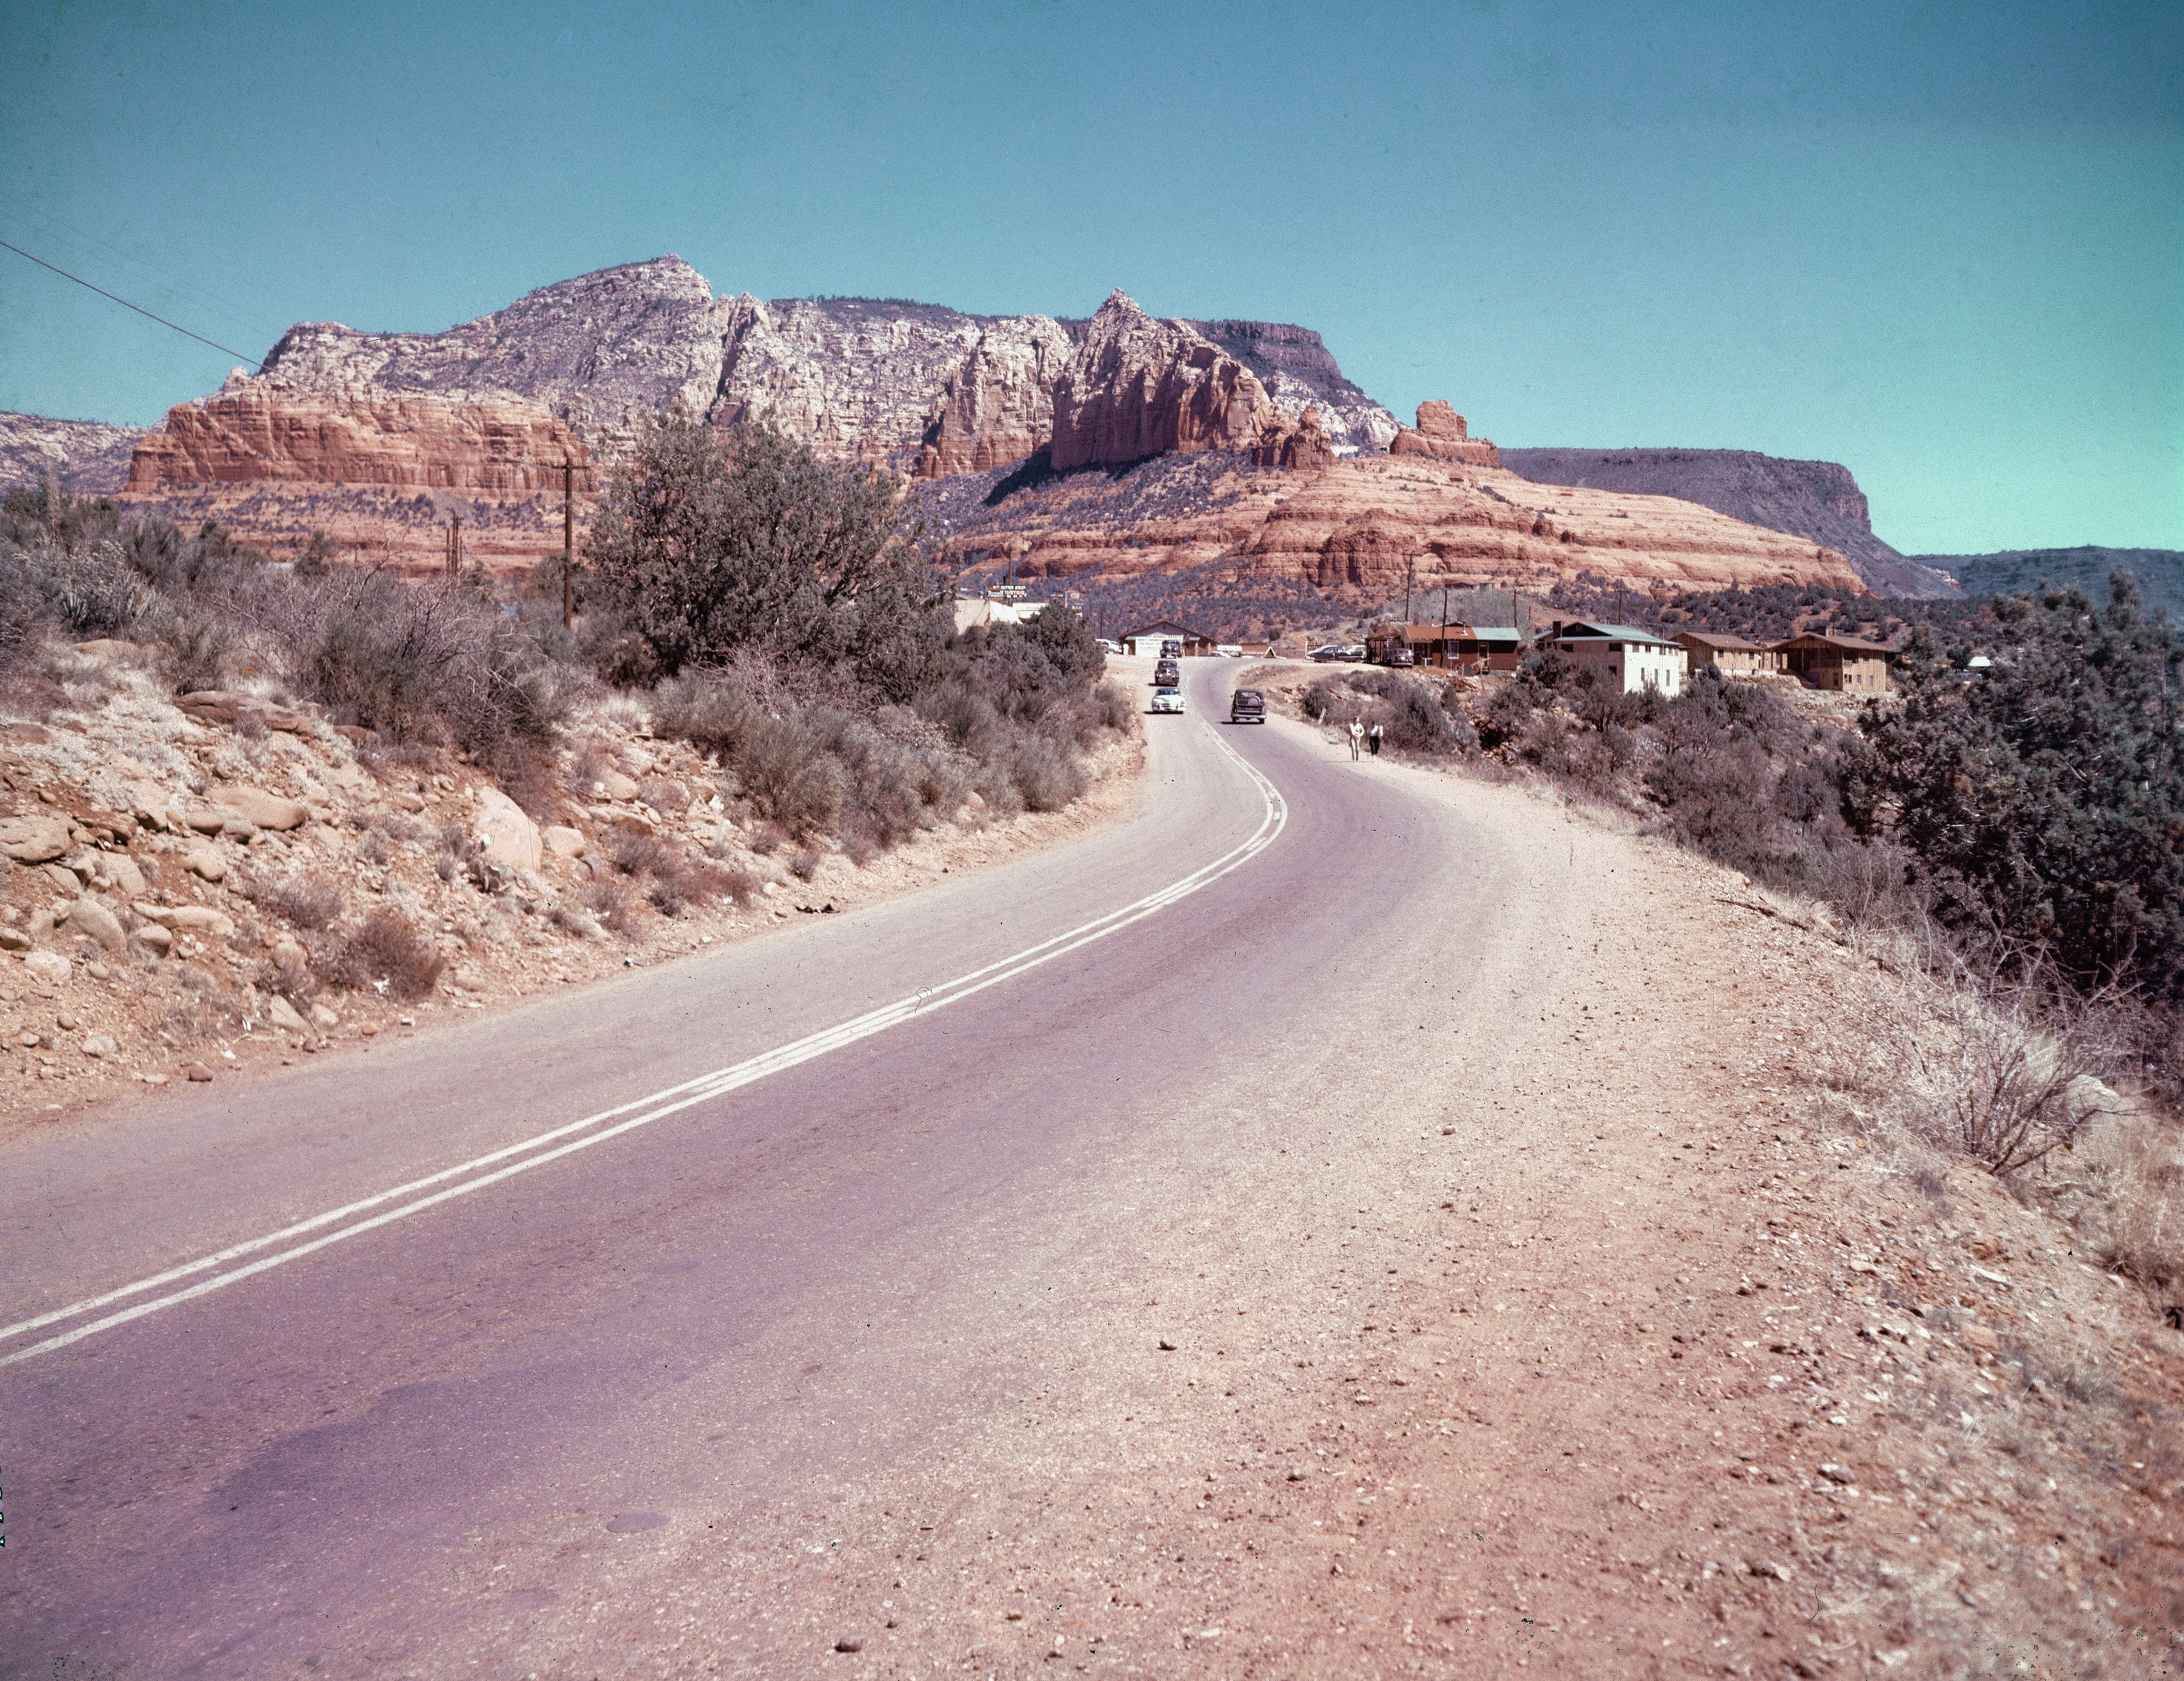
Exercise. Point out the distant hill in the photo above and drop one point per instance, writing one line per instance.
(1817, 500)
(2159, 572)
(85, 456)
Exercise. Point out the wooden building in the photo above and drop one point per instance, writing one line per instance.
(1848, 664)
(1630, 659)
(1731, 656)
(1147, 639)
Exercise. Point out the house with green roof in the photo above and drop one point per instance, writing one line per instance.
(1628, 657)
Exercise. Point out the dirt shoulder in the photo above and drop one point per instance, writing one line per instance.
(145, 951)
(1687, 1369)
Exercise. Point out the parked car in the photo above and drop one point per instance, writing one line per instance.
(1229, 650)
(1355, 652)
(1108, 645)
(1333, 650)
(1171, 648)
(1247, 705)
(1167, 700)
(1166, 674)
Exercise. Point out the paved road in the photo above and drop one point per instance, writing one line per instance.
(883, 1281)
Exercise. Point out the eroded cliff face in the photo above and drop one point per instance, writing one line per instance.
(86, 457)
(1361, 527)
(1139, 386)
(602, 350)
(261, 430)
(1819, 500)
(1295, 366)
(998, 406)
(1443, 435)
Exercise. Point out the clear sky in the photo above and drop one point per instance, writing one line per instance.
(1943, 245)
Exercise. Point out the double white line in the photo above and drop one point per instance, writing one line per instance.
(338, 1225)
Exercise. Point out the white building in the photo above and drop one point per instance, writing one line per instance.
(1631, 659)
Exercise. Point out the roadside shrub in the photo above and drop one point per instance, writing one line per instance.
(1505, 714)
(608, 901)
(1045, 778)
(307, 898)
(384, 947)
(787, 778)
(633, 852)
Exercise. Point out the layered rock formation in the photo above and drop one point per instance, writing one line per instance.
(1293, 363)
(1817, 500)
(998, 406)
(260, 430)
(1363, 527)
(83, 456)
(1444, 435)
(602, 350)
(1138, 387)
(1298, 445)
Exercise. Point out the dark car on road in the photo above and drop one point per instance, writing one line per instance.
(1247, 705)
(1166, 674)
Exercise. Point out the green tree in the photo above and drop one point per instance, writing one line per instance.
(2042, 797)
(709, 544)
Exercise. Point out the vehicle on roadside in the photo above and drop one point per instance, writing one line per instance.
(1229, 650)
(1166, 674)
(1171, 648)
(1108, 645)
(1166, 701)
(1247, 705)
(1333, 650)
(1355, 653)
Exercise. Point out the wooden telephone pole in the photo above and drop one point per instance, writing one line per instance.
(455, 547)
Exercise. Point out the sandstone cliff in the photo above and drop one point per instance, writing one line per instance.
(1443, 435)
(85, 456)
(1818, 500)
(270, 429)
(998, 406)
(1363, 527)
(1139, 386)
(602, 350)
(1293, 363)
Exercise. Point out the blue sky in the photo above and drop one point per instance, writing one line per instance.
(1942, 245)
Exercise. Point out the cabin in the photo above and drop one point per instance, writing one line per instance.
(1631, 659)
(1846, 663)
(1729, 656)
(1146, 640)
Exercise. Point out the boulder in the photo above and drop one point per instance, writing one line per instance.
(262, 810)
(122, 871)
(283, 1014)
(34, 838)
(506, 831)
(617, 786)
(93, 919)
(100, 1045)
(13, 939)
(155, 938)
(194, 919)
(47, 966)
(563, 842)
(205, 863)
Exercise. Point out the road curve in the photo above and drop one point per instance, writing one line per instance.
(491, 1430)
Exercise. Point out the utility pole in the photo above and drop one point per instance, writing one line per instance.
(455, 547)
(1409, 579)
(568, 544)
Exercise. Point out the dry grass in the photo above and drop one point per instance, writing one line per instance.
(385, 952)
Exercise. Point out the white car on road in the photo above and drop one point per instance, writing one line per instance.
(1166, 701)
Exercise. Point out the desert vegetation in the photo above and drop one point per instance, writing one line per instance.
(2000, 839)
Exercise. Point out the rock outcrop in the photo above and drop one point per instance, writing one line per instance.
(1443, 435)
(83, 456)
(602, 350)
(1139, 386)
(1363, 527)
(1293, 363)
(1817, 500)
(1298, 445)
(265, 429)
(998, 406)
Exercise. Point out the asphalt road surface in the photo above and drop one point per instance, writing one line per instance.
(862, 1237)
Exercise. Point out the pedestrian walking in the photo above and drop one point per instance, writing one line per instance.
(1372, 737)
(1356, 737)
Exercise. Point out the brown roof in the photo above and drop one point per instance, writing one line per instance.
(1714, 639)
(1849, 644)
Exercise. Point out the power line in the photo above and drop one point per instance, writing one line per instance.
(126, 305)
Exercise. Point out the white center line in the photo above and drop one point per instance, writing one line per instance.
(639, 1112)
